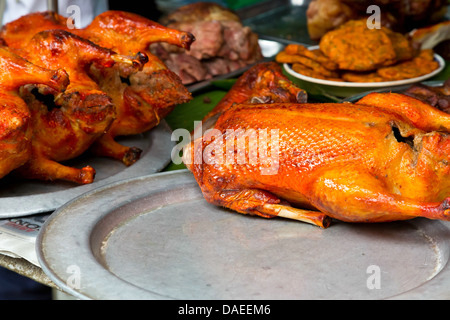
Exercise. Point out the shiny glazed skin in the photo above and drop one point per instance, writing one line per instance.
(262, 83)
(68, 126)
(352, 162)
(151, 93)
(15, 117)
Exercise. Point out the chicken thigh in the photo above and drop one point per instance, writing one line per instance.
(149, 95)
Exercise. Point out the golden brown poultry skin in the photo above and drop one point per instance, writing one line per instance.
(352, 162)
(15, 116)
(66, 128)
(151, 94)
(141, 98)
(262, 83)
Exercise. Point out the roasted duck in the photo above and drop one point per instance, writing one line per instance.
(142, 98)
(262, 83)
(15, 118)
(384, 158)
(66, 125)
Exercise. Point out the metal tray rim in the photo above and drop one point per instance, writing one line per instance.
(434, 288)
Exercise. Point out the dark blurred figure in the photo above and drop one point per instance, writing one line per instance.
(147, 9)
(16, 287)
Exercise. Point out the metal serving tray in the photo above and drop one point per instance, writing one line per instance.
(156, 237)
(27, 197)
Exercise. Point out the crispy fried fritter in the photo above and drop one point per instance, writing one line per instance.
(423, 64)
(402, 45)
(355, 53)
(315, 55)
(354, 46)
(285, 57)
(309, 72)
(362, 77)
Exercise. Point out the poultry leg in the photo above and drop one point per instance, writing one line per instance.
(15, 117)
(360, 197)
(149, 95)
(420, 114)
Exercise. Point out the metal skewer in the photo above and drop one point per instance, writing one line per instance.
(2, 10)
(52, 5)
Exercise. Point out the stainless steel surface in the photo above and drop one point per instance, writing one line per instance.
(26, 197)
(284, 21)
(52, 5)
(2, 11)
(155, 237)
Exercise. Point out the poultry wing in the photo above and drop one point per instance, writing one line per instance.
(65, 126)
(385, 158)
(15, 117)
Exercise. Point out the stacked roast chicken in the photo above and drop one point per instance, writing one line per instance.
(65, 90)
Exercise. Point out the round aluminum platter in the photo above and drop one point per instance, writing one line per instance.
(155, 237)
(28, 197)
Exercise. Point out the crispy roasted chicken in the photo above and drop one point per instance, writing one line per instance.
(15, 117)
(149, 95)
(142, 97)
(383, 158)
(66, 125)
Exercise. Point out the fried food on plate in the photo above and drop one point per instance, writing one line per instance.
(402, 46)
(310, 63)
(355, 47)
(423, 64)
(309, 72)
(356, 53)
(362, 77)
(316, 55)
